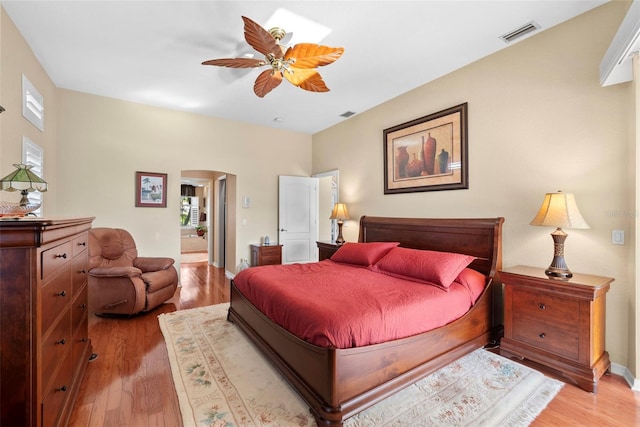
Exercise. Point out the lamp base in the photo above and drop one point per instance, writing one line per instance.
(558, 268)
(339, 239)
(557, 273)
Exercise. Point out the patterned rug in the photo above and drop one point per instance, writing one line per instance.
(223, 381)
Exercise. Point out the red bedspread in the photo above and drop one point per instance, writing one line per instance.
(331, 304)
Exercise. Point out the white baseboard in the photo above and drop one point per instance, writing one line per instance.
(229, 275)
(625, 373)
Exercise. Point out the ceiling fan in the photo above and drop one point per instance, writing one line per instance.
(296, 64)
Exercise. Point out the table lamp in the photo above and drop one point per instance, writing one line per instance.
(24, 181)
(340, 212)
(559, 210)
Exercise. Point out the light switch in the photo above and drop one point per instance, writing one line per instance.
(617, 237)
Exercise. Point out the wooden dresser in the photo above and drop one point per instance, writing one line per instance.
(557, 323)
(266, 255)
(43, 319)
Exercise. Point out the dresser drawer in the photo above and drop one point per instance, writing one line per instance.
(79, 345)
(80, 243)
(55, 347)
(79, 274)
(79, 310)
(547, 308)
(56, 257)
(57, 393)
(56, 295)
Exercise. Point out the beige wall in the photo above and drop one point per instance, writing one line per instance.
(110, 140)
(15, 59)
(538, 122)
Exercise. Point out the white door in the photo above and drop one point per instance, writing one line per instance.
(298, 218)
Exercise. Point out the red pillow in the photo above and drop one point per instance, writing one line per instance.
(365, 254)
(432, 267)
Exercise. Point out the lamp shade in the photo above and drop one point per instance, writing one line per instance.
(23, 180)
(559, 210)
(340, 212)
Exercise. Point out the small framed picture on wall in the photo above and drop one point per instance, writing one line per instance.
(151, 190)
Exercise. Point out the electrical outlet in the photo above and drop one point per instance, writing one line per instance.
(617, 237)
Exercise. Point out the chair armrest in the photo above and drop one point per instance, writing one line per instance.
(147, 264)
(115, 272)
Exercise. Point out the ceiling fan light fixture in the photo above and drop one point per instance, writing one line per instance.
(297, 64)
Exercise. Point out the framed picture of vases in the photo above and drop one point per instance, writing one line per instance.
(428, 153)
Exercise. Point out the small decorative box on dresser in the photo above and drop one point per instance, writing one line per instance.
(266, 255)
(43, 319)
(326, 249)
(557, 323)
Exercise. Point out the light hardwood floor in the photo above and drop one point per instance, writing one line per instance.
(130, 383)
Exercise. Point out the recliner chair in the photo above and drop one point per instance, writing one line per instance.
(121, 282)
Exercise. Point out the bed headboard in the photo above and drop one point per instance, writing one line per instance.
(480, 237)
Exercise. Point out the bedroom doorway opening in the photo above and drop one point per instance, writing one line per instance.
(207, 218)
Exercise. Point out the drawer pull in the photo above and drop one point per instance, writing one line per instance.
(62, 341)
(83, 306)
(63, 388)
(82, 243)
(542, 306)
(62, 256)
(83, 271)
(542, 335)
(62, 294)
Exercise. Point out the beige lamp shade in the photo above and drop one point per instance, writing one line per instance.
(340, 212)
(559, 210)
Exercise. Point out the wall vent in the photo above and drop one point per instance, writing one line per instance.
(347, 114)
(520, 32)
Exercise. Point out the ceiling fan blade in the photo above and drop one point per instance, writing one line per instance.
(236, 62)
(306, 79)
(266, 82)
(260, 39)
(309, 55)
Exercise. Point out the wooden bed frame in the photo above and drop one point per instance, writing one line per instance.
(339, 383)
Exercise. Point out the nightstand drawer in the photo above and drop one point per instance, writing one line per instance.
(547, 308)
(554, 339)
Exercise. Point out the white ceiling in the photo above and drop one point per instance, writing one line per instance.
(151, 52)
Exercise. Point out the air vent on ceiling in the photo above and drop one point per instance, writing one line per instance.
(520, 32)
(347, 114)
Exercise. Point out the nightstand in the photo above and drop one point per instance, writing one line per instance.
(326, 249)
(557, 323)
(266, 255)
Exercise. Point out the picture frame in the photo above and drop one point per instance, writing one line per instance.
(428, 153)
(151, 190)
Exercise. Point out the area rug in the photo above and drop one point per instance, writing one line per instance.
(222, 380)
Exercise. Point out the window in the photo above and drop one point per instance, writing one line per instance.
(32, 104)
(33, 154)
(190, 212)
